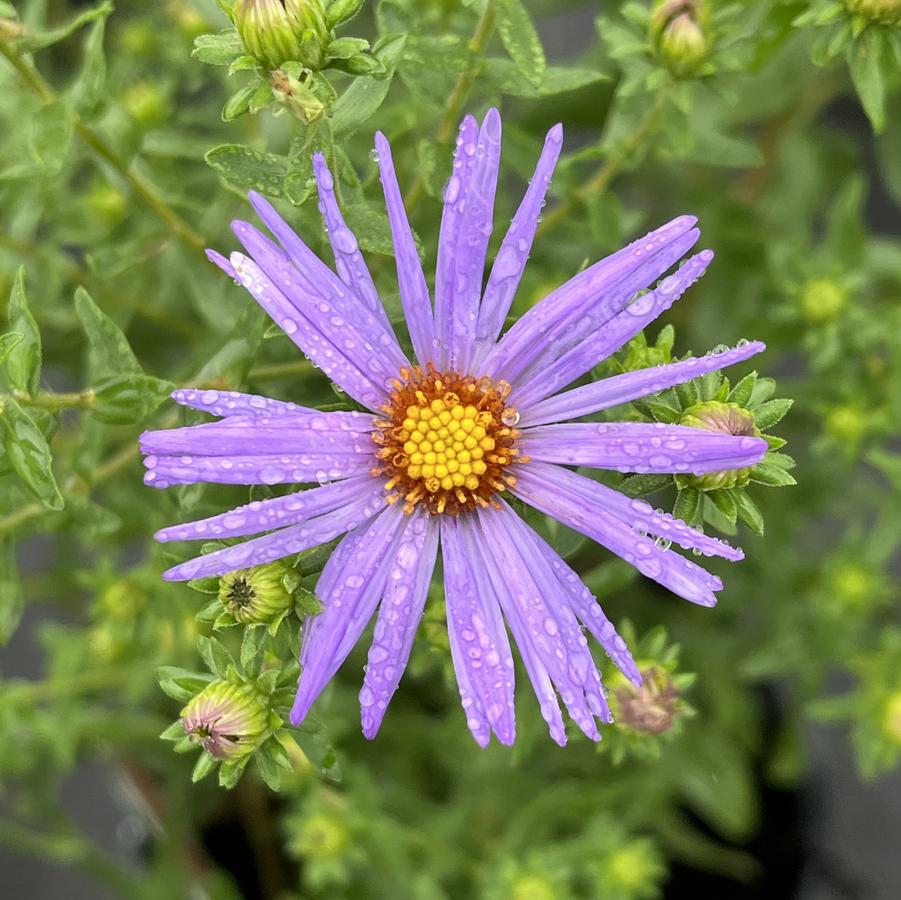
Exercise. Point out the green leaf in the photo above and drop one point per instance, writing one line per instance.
(52, 127)
(12, 600)
(865, 63)
(768, 414)
(55, 35)
(246, 169)
(109, 351)
(181, 684)
(8, 342)
(204, 765)
(365, 95)
(300, 183)
(773, 476)
(23, 361)
(520, 39)
(741, 393)
(251, 645)
(641, 485)
(688, 505)
(214, 654)
(88, 89)
(506, 77)
(218, 49)
(232, 361)
(128, 398)
(725, 503)
(370, 224)
(239, 102)
(28, 452)
(748, 511)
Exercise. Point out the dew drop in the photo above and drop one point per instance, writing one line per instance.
(374, 155)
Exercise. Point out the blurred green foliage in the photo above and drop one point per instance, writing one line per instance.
(131, 135)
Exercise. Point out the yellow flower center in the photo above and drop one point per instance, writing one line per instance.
(446, 440)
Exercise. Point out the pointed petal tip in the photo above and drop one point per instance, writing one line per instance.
(555, 134)
(491, 124)
(558, 737)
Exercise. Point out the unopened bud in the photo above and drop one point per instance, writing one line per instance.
(846, 424)
(822, 300)
(256, 595)
(891, 723)
(532, 887)
(679, 30)
(279, 31)
(726, 418)
(321, 836)
(883, 12)
(650, 708)
(227, 720)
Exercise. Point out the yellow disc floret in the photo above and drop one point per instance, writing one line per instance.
(446, 440)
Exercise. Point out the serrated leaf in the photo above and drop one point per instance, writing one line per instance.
(246, 169)
(218, 49)
(520, 39)
(27, 451)
(768, 414)
(23, 362)
(52, 128)
(128, 398)
(366, 94)
(110, 352)
(251, 645)
(763, 390)
(641, 485)
(741, 393)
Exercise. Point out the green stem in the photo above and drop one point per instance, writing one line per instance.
(459, 94)
(270, 373)
(143, 188)
(605, 173)
(53, 402)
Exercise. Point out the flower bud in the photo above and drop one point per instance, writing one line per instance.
(650, 708)
(891, 723)
(846, 424)
(256, 595)
(822, 300)
(297, 97)
(883, 12)
(227, 720)
(321, 836)
(679, 31)
(276, 31)
(532, 887)
(726, 418)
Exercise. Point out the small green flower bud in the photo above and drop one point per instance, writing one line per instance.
(256, 595)
(651, 708)
(891, 722)
(846, 424)
(147, 104)
(321, 836)
(854, 585)
(532, 887)
(276, 31)
(822, 300)
(227, 720)
(633, 869)
(679, 30)
(883, 12)
(726, 418)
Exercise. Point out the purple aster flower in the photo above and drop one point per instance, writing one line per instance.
(477, 417)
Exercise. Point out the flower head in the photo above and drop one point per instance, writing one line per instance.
(257, 594)
(441, 442)
(679, 29)
(276, 31)
(227, 720)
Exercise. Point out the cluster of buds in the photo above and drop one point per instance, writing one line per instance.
(882, 12)
(679, 29)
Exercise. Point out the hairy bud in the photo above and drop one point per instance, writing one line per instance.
(228, 720)
(256, 595)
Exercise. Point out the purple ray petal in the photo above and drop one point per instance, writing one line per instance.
(609, 392)
(165, 471)
(545, 491)
(511, 259)
(585, 606)
(232, 403)
(464, 268)
(487, 575)
(588, 300)
(641, 447)
(277, 512)
(309, 339)
(360, 336)
(399, 614)
(349, 262)
(321, 281)
(414, 292)
(596, 346)
(528, 593)
(479, 646)
(218, 259)
(349, 588)
(279, 544)
(451, 220)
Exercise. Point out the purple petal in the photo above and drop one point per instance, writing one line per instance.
(465, 249)
(218, 259)
(548, 489)
(414, 292)
(587, 301)
(320, 433)
(585, 606)
(609, 392)
(525, 588)
(478, 642)
(309, 339)
(322, 282)
(349, 588)
(455, 192)
(358, 336)
(399, 614)
(165, 471)
(641, 447)
(277, 512)
(279, 544)
(349, 262)
(598, 345)
(511, 259)
(232, 403)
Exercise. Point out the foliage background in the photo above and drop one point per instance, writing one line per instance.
(109, 191)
